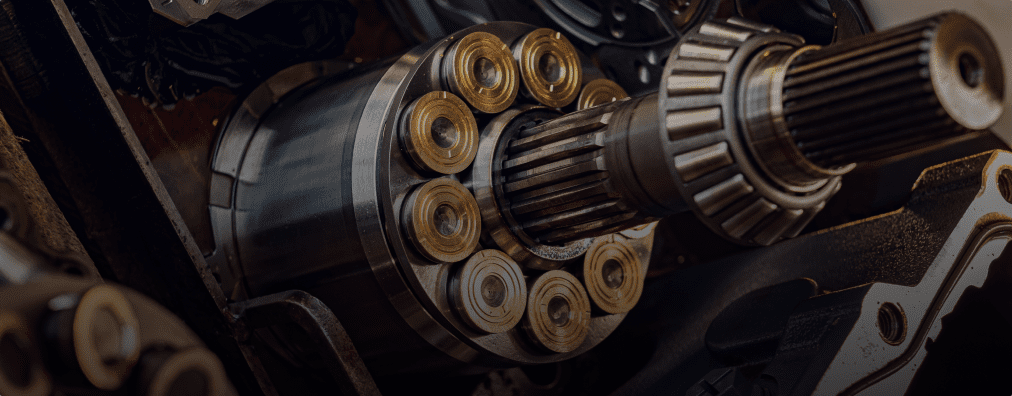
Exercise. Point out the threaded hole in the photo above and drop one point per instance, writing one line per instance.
(1005, 184)
(970, 70)
(891, 323)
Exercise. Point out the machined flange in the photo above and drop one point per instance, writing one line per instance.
(490, 292)
(440, 133)
(549, 66)
(558, 312)
(481, 69)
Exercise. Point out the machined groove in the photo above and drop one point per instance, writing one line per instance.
(887, 92)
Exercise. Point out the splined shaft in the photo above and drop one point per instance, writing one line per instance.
(751, 130)
(886, 93)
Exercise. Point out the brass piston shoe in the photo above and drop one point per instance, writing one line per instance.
(21, 369)
(599, 92)
(558, 312)
(191, 372)
(103, 334)
(549, 67)
(481, 69)
(612, 274)
(489, 291)
(442, 220)
(440, 133)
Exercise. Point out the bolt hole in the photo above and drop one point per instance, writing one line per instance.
(1005, 184)
(892, 324)
(970, 70)
(619, 13)
(617, 31)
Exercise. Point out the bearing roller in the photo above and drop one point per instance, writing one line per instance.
(751, 130)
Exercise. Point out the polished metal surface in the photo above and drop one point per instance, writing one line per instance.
(314, 188)
(558, 314)
(549, 66)
(442, 220)
(481, 69)
(598, 92)
(613, 274)
(490, 292)
(722, 136)
(440, 133)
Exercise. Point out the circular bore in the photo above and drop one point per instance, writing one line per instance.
(490, 292)
(892, 323)
(639, 231)
(440, 133)
(967, 74)
(480, 68)
(106, 337)
(192, 372)
(558, 312)
(21, 370)
(549, 67)
(613, 274)
(599, 92)
(442, 220)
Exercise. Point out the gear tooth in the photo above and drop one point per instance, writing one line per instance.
(707, 52)
(755, 26)
(689, 83)
(696, 163)
(729, 32)
(773, 231)
(742, 222)
(685, 123)
(719, 196)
